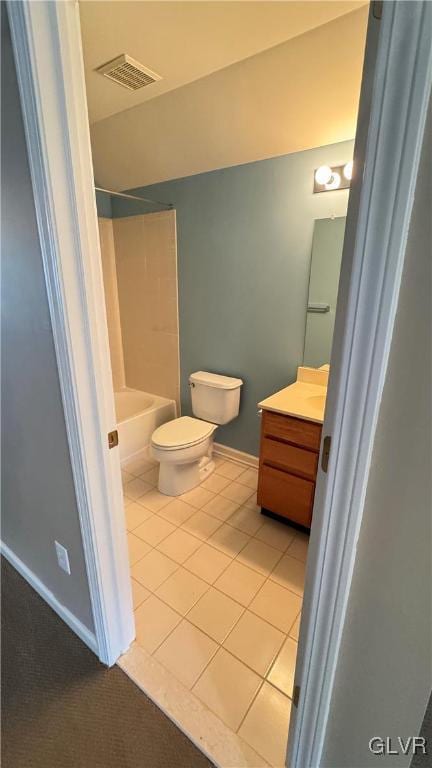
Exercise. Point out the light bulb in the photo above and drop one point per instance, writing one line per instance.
(323, 174)
(334, 182)
(348, 170)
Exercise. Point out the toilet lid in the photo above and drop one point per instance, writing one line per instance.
(179, 433)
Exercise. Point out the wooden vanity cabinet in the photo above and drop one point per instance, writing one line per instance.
(288, 466)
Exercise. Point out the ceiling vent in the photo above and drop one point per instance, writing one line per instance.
(127, 72)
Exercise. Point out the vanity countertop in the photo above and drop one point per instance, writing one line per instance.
(303, 399)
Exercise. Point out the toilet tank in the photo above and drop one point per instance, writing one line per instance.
(215, 398)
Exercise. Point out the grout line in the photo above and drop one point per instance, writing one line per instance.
(267, 576)
(207, 541)
(250, 706)
(185, 617)
(210, 586)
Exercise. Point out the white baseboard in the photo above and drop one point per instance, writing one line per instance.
(232, 453)
(143, 453)
(73, 623)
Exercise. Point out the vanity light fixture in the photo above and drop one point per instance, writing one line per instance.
(329, 178)
(348, 170)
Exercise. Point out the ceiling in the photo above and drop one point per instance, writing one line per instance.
(185, 41)
(291, 97)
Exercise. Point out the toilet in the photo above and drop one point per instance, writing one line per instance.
(184, 446)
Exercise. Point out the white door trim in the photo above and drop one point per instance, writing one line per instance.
(389, 141)
(46, 39)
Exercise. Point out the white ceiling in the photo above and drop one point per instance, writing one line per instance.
(294, 96)
(185, 41)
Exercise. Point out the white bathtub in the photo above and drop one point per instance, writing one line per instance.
(138, 414)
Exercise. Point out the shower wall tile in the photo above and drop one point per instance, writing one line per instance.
(146, 257)
(106, 237)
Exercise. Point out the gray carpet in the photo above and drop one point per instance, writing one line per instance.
(420, 760)
(61, 707)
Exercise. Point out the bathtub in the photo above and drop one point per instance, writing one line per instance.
(138, 414)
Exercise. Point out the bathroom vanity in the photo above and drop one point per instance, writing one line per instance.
(290, 443)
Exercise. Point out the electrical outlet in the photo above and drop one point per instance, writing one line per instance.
(62, 557)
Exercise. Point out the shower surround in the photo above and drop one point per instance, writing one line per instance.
(141, 301)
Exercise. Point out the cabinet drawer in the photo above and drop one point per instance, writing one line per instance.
(286, 495)
(289, 457)
(298, 431)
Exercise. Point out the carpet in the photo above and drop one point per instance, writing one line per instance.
(61, 707)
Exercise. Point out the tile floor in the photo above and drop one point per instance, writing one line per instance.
(217, 591)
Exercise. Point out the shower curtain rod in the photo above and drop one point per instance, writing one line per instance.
(133, 197)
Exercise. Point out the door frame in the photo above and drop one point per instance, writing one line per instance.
(46, 40)
(396, 88)
(47, 46)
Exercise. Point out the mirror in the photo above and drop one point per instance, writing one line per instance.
(323, 288)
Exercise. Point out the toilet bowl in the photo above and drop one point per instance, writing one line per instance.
(183, 447)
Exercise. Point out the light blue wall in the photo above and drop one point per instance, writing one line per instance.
(38, 497)
(244, 250)
(103, 204)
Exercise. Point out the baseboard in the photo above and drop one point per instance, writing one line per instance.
(220, 450)
(64, 613)
(143, 453)
(232, 453)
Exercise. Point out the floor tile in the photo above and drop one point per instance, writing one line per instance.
(207, 563)
(259, 556)
(179, 545)
(277, 535)
(229, 540)
(265, 726)
(282, 672)
(154, 500)
(220, 507)
(236, 492)
(154, 530)
(299, 547)
(136, 488)
(276, 605)
(215, 483)
(126, 477)
(137, 466)
(246, 519)
(216, 614)
(240, 582)
(227, 687)
(201, 525)
(295, 629)
(197, 497)
(153, 622)
(151, 476)
(139, 593)
(135, 515)
(249, 477)
(177, 512)
(182, 590)
(255, 642)
(290, 573)
(252, 502)
(126, 501)
(186, 652)
(230, 470)
(153, 570)
(137, 548)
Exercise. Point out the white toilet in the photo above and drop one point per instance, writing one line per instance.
(184, 446)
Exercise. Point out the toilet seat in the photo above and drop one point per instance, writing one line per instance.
(181, 433)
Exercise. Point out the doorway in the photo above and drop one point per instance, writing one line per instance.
(100, 589)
